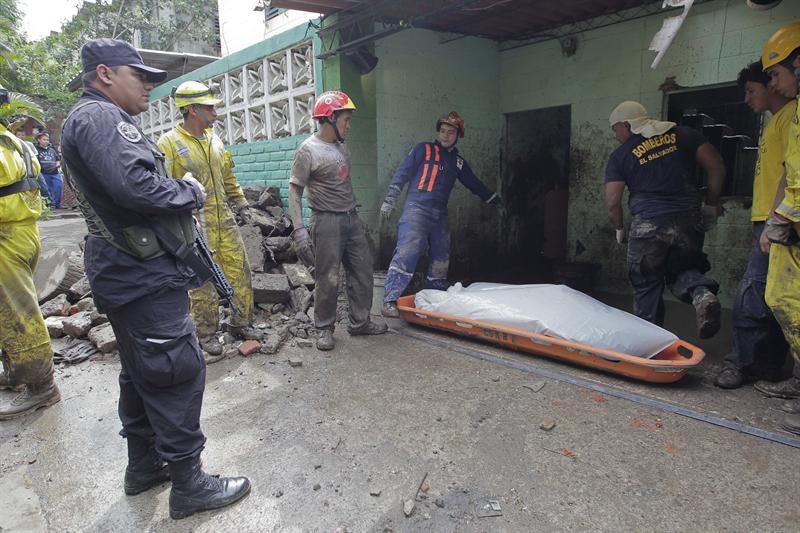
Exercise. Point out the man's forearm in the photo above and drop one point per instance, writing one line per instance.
(716, 180)
(615, 215)
(296, 205)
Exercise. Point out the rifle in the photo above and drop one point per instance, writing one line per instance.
(221, 283)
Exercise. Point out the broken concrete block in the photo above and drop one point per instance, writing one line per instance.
(249, 347)
(301, 300)
(78, 325)
(298, 275)
(270, 288)
(277, 308)
(408, 507)
(103, 338)
(55, 326)
(87, 304)
(253, 247)
(275, 212)
(295, 362)
(304, 342)
(78, 290)
(271, 344)
(268, 225)
(303, 334)
(252, 193)
(58, 306)
(98, 318)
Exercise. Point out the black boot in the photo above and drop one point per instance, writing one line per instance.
(193, 490)
(145, 469)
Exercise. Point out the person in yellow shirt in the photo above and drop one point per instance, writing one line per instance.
(781, 60)
(759, 348)
(24, 341)
(193, 148)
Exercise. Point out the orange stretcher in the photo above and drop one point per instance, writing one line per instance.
(668, 366)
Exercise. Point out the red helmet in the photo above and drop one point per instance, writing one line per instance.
(452, 119)
(331, 101)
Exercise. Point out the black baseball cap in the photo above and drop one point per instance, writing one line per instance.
(113, 53)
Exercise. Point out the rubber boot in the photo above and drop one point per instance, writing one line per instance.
(5, 383)
(194, 491)
(33, 397)
(792, 423)
(146, 469)
(389, 310)
(788, 388)
(707, 310)
(790, 406)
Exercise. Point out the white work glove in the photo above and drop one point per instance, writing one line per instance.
(197, 185)
(780, 231)
(387, 208)
(622, 236)
(709, 215)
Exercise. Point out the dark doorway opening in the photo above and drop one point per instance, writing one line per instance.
(535, 189)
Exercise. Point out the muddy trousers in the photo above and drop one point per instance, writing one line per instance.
(758, 341)
(783, 294)
(27, 354)
(163, 374)
(226, 242)
(416, 232)
(666, 250)
(341, 239)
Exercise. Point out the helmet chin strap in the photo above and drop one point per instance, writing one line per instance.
(339, 138)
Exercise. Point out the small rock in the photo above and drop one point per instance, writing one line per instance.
(270, 288)
(249, 347)
(375, 492)
(103, 338)
(547, 425)
(79, 289)
(302, 317)
(78, 325)
(98, 318)
(277, 308)
(536, 386)
(278, 493)
(55, 326)
(58, 306)
(408, 507)
(439, 503)
(304, 343)
(294, 361)
(301, 333)
(85, 305)
(227, 338)
(271, 344)
(261, 325)
(317, 486)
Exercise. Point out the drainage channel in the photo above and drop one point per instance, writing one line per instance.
(610, 391)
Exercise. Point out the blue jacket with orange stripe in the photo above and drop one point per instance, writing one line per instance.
(432, 172)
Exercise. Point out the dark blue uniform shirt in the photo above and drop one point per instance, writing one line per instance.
(107, 153)
(659, 172)
(432, 172)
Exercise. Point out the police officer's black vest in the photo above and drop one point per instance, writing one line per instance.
(126, 230)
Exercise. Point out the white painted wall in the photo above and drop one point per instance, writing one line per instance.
(241, 26)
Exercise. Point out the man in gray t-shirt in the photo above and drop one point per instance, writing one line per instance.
(322, 165)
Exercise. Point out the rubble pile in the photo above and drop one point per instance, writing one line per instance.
(282, 293)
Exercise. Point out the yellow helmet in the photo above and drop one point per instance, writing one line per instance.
(782, 43)
(193, 92)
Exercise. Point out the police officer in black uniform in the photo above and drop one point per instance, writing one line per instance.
(131, 206)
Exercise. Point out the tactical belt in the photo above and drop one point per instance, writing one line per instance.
(26, 184)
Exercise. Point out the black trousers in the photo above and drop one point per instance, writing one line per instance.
(666, 251)
(163, 373)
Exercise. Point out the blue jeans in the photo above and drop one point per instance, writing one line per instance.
(418, 229)
(758, 342)
(54, 182)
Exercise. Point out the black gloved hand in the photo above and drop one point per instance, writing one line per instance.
(303, 247)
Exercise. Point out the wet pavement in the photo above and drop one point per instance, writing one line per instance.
(343, 440)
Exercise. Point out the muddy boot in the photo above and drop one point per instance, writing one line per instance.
(389, 309)
(370, 328)
(194, 491)
(790, 406)
(792, 423)
(146, 469)
(325, 340)
(788, 388)
(730, 377)
(246, 333)
(5, 383)
(707, 309)
(29, 400)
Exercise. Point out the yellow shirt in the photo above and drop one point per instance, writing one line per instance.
(25, 205)
(769, 168)
(790, 207)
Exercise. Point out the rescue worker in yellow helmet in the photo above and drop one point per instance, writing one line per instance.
(781, 60)
(193, 148)
(24, 341)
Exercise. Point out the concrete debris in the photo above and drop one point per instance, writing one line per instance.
(295, 362)
(78, 325)
(55, 326)
(253, 247)
(248, 348)
(375, 492)
(298, 275)
(408, 507)
(301, 299)
(85, 304)
(439, 503)
(536, 386)
(547, 425)
(271, 288)
(58, 306)
(304, 343)
(488, 508)
(78, 290)
(98, 318)
(271, 344)
(103, 338)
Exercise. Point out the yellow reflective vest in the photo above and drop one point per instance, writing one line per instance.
(790, 207)
(20, 206)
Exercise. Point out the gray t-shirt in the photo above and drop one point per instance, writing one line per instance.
(323, 168)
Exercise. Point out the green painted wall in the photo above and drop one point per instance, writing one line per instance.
(419, 79)
(612, 64)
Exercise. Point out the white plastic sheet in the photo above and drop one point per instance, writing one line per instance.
(554, 310)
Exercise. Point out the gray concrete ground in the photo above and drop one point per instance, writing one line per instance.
(378, 414)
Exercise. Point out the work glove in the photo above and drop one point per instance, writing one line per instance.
(199, 186)
(780, 231)
(304, 248)
(387, 208)
(709, 215)
(622, 236)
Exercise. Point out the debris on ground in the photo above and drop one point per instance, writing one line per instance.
(295, 361)
(408, 507)
(488, 508)
(547, 425)
(536, 386)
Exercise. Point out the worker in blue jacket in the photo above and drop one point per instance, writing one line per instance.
(432, 168)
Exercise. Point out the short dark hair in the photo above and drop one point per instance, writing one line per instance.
(753, 72)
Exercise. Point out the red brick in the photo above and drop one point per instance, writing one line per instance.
(249, 347)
